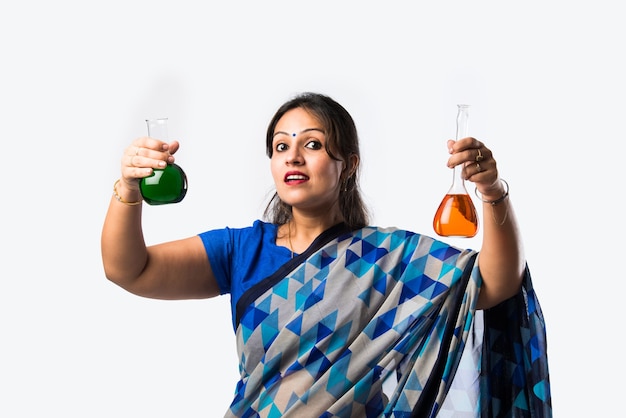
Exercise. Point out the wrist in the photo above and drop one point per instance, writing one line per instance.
(126, 195)
(493, 197)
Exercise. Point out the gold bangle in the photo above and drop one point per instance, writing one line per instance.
(119, 198)
(498, 200)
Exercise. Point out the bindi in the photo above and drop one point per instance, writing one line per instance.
(293, 134)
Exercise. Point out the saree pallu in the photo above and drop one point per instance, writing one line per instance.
(372, 323)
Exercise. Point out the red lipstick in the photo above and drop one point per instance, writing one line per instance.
(295, 177)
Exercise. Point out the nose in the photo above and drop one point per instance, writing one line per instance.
(294, 156)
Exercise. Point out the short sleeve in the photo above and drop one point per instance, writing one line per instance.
(218, 245)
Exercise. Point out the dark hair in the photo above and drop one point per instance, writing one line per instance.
(342, 143)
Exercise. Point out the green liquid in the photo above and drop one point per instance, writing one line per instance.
(168, 185)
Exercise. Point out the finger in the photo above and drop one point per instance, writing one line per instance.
(173, 146)
(466, 157)
(131, 173)
(146, 144)
(140, 161)
(450, 143)
(132, 169)
(141, 155)
(482, 174)
(479, 155)
(133, 155)
(463, 144)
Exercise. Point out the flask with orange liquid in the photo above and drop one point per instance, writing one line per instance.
(456, 215)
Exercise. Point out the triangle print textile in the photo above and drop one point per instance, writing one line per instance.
(514, 373)
(368, 323)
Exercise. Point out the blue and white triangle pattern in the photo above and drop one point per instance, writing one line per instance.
(368, 305)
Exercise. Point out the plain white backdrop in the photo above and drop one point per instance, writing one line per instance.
(78, 79)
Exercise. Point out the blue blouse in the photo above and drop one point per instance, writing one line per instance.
(241, 257)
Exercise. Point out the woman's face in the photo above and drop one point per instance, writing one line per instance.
(306, 177)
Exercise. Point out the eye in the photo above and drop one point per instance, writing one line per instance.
(315, 145)
(281, 147)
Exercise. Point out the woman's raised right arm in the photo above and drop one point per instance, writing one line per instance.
(171, 270)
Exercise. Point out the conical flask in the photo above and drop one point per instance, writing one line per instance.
(456, 215)
(167, 185)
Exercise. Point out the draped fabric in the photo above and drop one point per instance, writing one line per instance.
(373, 323)
(514, 371)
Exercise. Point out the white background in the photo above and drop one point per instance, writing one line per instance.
(546, 84)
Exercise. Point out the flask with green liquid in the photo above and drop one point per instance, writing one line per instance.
(164, 185)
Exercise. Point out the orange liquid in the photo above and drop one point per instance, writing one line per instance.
(456, 217)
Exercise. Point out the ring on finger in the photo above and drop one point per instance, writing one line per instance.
(479, 155)
(478, 168)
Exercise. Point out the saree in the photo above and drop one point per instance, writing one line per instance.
(373, 323)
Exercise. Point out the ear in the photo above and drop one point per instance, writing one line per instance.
(353, 165)
(349, 169)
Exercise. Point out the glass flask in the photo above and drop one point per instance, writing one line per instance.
(456, 215)
(164, 185)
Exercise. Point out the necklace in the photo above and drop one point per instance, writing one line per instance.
(289, 238)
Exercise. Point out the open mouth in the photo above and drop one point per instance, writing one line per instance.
(295, 178)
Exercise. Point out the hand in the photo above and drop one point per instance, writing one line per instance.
(479, 166)
(144, 155)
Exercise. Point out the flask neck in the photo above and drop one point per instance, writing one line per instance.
(462, 119)
(157, 128)
(458, 183)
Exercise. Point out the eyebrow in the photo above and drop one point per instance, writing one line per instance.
(303, 131)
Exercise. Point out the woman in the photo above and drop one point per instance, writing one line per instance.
(334, 317)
